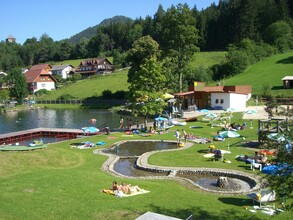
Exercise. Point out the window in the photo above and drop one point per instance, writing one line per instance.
(217, 101)
(222, 101)
(43, 85)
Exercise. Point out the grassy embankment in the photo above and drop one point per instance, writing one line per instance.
(64, 183)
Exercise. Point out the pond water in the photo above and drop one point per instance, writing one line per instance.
(12, 121)
(126, 165)
(137, 148)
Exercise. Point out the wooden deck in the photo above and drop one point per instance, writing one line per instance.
(37, 132)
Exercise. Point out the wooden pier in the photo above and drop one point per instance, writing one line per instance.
(42, 132)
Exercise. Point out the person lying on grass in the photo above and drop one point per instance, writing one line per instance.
(115, 187)
(129, 189)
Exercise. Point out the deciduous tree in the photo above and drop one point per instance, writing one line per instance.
(17, 85)
(180, 36)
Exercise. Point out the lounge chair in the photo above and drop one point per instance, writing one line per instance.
(263, 196)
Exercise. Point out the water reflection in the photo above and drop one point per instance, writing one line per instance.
(12, 121)
(127, 167)
(137, 148)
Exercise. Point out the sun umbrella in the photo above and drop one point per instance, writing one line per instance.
(278, 137)
(161, 119)
(211, 115)
(230, 110)
(281, 169)
(203, 110)
(90, 129)
(167, 96)
(250, 112)
(230, 134)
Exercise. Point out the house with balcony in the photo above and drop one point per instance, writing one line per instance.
(40, 77)
(94, 66)
(63, 70)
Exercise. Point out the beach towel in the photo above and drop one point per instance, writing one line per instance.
(142, 191)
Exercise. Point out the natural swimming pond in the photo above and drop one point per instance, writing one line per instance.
(137, 148)
(129, 153)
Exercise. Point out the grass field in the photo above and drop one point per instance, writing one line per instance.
(64, 183)
(269, 71)
(92, 87)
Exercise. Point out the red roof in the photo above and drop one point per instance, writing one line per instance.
(40, 66)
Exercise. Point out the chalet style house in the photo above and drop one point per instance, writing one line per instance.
(201, 96)
(94, 66)
(40, 77)
(64, 70)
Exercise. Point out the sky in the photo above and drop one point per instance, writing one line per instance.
(61, 19)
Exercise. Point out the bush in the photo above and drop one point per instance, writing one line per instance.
(119, 95)
(107, 94)
(66, 97)
(41, 92)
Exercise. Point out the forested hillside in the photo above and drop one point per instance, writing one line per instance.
(247, 30)
(91, 31)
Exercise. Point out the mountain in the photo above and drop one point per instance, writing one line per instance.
(91, 31)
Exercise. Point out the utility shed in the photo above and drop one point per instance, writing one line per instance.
(288, 82)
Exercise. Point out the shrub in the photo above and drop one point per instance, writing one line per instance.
(107, 94)
(119, 95)
(41, 92)
(66, 97)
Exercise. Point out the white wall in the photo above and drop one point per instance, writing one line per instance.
(66, 71)
(230, 100)
(45, 85)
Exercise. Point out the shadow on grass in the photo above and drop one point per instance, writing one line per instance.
(203, 151)
(199, 213)
(287, 60)
(233, 201)
(277, 87)
(251, 144)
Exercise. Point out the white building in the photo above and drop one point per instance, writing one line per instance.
(64, 70)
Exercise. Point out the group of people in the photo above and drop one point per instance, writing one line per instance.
(178, 136)
(128, 123)
(257, 158)
(124, 188)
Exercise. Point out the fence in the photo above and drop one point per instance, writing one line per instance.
(100, 102)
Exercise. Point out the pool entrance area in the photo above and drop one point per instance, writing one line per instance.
(128, 159)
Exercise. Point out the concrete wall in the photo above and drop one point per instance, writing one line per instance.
(229, 100)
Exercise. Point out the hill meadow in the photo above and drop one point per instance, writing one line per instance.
(268, 72)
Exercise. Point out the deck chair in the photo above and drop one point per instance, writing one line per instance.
(263, 196)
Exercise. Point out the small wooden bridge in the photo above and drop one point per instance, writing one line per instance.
(41, 132)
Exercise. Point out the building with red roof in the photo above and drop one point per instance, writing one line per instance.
(215, 97)
(40, 77)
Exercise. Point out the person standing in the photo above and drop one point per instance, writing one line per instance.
(178, 136)
(121, 123)
(184, 135)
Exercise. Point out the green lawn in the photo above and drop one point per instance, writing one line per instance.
(64, 183)
(269, 71)
(92, 87)
(207, 59)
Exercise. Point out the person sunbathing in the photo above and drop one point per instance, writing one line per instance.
(129, 189)
(114, 188)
